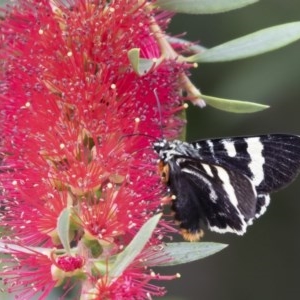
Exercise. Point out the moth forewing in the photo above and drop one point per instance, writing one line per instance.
(225, 183)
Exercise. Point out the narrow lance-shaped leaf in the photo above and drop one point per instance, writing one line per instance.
(259, 42)
(234, 106)
(202, 6)
(181, 253)
(63, 228)
(7, 248)
(125, 258)
(141, 66)
(188, 46)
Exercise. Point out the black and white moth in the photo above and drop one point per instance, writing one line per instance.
(225, 183)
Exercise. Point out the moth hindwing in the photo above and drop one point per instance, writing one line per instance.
(225, 183)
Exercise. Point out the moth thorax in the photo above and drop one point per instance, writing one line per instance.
(163, 170)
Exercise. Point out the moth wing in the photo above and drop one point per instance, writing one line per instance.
(270, 161)
(224, 199)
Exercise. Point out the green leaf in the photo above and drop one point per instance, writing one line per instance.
(189, 46)
(125, 258)
(234, 106)
(182, 253)
(63, 228)
(202, 6)
(259, 42)
(141, 66)
(6, 248)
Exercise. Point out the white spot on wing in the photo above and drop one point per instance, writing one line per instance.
(229, 147)
(207, 170)
(212, 194)
(210, 145)
(254, 149)
(198, 146)
(223, 175)
(228, 229)
(264, 206)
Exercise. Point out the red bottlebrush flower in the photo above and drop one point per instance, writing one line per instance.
(32, 271)
(134, 283)
(76, 124)
(30, 274)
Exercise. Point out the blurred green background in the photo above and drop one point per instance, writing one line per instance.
(264, 264)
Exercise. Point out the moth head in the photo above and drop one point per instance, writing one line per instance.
(166, 149)
(164, 171)
(161, 147)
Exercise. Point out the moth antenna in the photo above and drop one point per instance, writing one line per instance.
(159, 112)
(139, 134)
